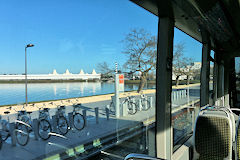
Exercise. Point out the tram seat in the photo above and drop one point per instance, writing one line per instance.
(231, 114)
(213, 137)
(237, 140)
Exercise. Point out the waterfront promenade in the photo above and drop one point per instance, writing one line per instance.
(94, 137)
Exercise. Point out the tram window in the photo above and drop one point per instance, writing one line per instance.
(211, 78)
(237, 70)
(186, 86)
(76, 45)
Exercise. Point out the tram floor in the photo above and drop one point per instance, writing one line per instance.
(136, 144)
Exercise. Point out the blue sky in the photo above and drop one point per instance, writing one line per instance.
(72, 34)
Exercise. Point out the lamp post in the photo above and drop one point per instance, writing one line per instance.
(26, 99)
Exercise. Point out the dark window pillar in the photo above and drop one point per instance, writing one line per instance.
(164, 138)
(205, 71)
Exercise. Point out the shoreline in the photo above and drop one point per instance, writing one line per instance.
(182, 82)
(96, 98)
(45, 81)
(70, 101)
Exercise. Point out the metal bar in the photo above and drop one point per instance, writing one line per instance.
(26, 98)
(107, 112)
(84, 112)
(97, 115)
(35, 128)
(134, 156)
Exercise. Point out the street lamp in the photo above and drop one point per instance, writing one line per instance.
(29, 45)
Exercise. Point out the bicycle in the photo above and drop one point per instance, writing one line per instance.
(78, 119)
(44, 125)
(23, 126)
(132, 106)
(145, 102)
(62, 122)
(5, 131)
(112, 106)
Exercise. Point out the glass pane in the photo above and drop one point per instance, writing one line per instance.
(211, 79)
(186, 86)
(237, 70)
(71, 51)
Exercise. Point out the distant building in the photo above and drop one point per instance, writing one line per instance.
(55, 76)
(195, 66)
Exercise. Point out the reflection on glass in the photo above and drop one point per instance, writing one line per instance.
(186, 87)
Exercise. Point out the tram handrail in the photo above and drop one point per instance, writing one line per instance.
(133, 156)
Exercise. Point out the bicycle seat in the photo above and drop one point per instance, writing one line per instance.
(62, 107)
(77, 105)
(46, 109)
(6, 112)
(22, 112)
(29, 112)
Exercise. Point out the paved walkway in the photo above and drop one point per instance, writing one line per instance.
(91, 136)
(77, 142)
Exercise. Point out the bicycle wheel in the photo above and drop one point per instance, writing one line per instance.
(145, 105)
(78, 121)
(1, 141)
(44, 128)
(4, 135)
(22, 134)
(132, 108)
(5, 130)
(62, 125)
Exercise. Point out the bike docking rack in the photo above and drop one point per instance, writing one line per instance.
(90, 119)
(179, 94)
(124, 108)
(95, 118)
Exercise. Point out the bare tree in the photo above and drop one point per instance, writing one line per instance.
(140, 48)
(178, 65)
(188, 68)
(104, 69)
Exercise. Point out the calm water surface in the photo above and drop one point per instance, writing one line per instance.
(15, 93)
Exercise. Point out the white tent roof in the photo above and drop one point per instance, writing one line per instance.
(94, 72)
(54, 72)
(81, 72)
(67, 72)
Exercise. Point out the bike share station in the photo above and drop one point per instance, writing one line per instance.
(95, 126)
(131, 104)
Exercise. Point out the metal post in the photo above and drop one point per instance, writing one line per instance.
(140, 106)
(107, 112)
(35, 128)
(70, 118)
(117, 96)
(26, 99)
(97, 115)
(54, 123)
(151, 102)
(12, 127)
(84, 112)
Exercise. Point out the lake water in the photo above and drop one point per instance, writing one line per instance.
(15, 93)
